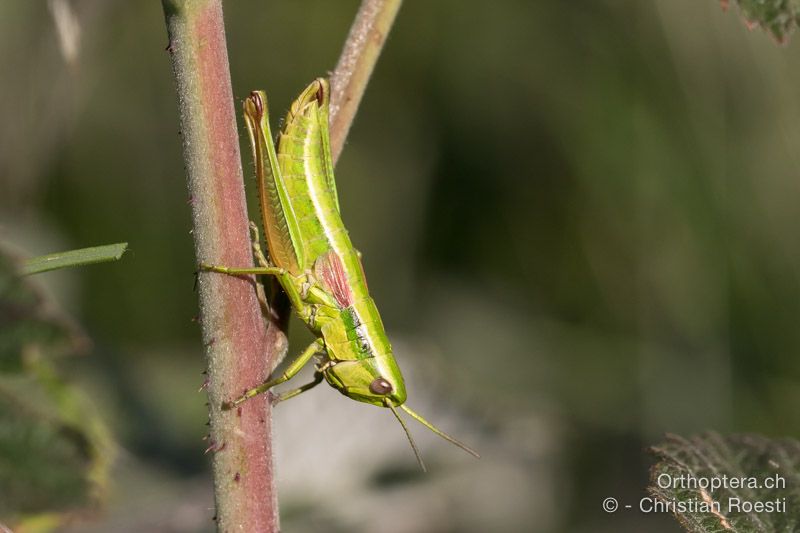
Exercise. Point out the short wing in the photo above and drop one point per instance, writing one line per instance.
(330, 274)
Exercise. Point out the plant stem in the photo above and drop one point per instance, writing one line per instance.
(239, 349)
(359, 55)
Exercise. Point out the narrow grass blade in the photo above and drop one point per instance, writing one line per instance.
(71, 258)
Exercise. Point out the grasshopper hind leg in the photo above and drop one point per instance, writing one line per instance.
(255, 244)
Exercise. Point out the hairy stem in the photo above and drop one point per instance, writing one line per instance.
(359, 55)
(240, 350)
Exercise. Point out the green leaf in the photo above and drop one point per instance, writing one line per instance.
(779, 18)
(55, 451)
(84, 256)
(752, 469)
(28, 319)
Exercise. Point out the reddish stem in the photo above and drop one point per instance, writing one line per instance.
(356, 62)
(239, 348)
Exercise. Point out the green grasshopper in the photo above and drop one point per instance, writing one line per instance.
(316, 264)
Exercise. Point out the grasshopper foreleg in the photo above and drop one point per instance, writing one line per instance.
(314, 348)
(318, 376)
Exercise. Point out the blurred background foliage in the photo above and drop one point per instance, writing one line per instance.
(578, 219)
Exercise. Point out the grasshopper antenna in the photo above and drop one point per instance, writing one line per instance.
(438, 431)
(408, 434)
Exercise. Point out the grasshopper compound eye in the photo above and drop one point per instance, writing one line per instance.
(380, 386)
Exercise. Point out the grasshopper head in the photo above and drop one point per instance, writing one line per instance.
(367, 382)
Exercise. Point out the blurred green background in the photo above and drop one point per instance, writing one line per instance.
(578, 220)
